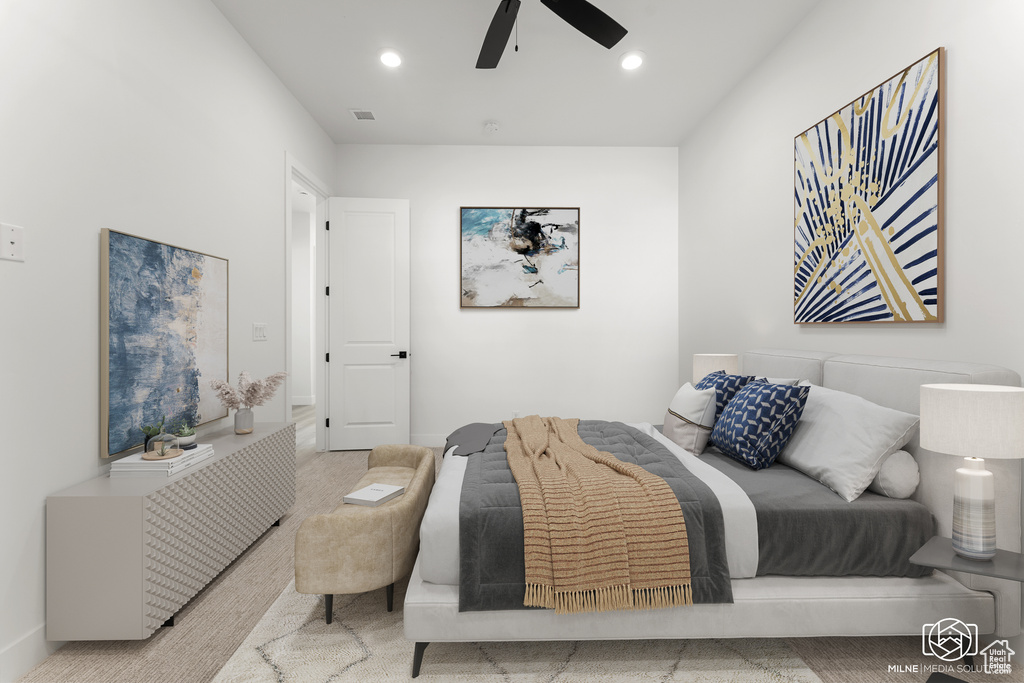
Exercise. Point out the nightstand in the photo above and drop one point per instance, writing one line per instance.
(939, 553)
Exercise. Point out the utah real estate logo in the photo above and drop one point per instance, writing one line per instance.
(952, 640)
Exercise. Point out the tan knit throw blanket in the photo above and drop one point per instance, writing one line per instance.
(600, 534)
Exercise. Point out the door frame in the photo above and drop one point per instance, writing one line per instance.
(296, 172)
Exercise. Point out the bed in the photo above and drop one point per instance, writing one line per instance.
(768, 605)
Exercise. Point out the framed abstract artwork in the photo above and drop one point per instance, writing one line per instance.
(869, 205)
(520, 257)
(164, 336)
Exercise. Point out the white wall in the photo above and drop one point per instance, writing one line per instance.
(154, 118)
(736, 183)
(303, 329)
(613, 358)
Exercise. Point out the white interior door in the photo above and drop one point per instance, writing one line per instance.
(368, 323)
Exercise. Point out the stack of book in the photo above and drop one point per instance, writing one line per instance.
(135, 466)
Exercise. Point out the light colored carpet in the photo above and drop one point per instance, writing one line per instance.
(365, 643)
(867, 660)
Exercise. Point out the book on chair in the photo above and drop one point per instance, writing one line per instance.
(374, 494)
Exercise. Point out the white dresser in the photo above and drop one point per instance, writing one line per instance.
(124, 554)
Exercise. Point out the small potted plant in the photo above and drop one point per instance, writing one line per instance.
(164, 447)
(186, 433)
(152, 431)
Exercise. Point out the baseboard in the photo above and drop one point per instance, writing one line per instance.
(303, 400)
(18, 658)
(428, 440)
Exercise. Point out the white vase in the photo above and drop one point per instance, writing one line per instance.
(243, 421)
(974, 511)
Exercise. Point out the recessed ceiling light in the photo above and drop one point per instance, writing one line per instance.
(390, 58)
(632, 60)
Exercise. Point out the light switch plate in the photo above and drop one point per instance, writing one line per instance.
(12, 242)
(259, 332)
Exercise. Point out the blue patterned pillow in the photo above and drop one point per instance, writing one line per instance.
(725, 387)
(757, 423)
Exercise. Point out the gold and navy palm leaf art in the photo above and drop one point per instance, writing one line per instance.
(867, 229)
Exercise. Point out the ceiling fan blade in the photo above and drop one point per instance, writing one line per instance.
(497, 34)
(588, 20)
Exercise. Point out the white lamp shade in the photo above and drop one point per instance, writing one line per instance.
(973, 420)
(704, 363)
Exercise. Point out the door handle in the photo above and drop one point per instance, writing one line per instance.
(400, 354)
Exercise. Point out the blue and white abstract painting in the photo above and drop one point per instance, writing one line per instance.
(867, 206)
(166, 334)
(516, 258)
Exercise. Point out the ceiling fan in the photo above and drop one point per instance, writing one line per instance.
(580, 14)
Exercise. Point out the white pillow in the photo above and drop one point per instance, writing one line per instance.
(842, 440)
(690, 418)
(898, 476)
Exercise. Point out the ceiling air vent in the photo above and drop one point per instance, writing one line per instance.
(363, 115)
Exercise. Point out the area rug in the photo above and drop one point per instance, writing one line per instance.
(292, 643)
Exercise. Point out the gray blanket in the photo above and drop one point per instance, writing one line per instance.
(804, 529)
(492, 568)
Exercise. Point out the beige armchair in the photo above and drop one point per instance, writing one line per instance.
(356, 548)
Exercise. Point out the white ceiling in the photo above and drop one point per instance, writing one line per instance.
(561, 88)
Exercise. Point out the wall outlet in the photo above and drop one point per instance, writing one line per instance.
(12, 242)
(259, 332)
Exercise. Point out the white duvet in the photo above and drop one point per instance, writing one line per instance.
(439, 532)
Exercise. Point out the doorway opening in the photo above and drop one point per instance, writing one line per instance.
(303, 307)
(305, 220)
(303, 391)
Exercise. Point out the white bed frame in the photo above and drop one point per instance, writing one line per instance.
(777, 606)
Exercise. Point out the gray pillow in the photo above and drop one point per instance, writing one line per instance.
(690, 418)
(842, 440)
(898, 477)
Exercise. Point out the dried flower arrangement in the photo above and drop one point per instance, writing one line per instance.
(250, 393)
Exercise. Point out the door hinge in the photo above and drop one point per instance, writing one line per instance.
(328, 358)
(328, 225)
(328, 291)
(328, 421)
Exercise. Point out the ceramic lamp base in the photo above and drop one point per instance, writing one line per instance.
(974, 511)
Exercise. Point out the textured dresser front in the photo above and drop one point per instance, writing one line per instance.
(124, 555)
(195, 526)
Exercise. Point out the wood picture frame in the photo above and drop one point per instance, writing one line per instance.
(163, 337)
(519, 257)
(868, 205)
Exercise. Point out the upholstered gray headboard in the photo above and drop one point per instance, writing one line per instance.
(896, 383)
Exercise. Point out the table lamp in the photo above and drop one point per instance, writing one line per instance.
(703, 363)
(977, 421)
